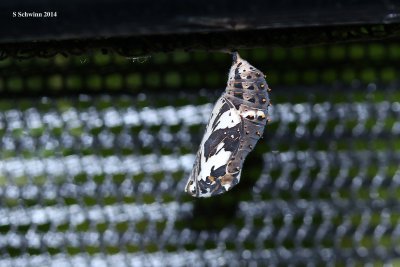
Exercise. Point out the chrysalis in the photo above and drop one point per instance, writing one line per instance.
(236, 123)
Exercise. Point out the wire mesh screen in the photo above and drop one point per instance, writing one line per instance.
(96, 150)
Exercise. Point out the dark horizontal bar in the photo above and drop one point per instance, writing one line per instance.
(142, 26)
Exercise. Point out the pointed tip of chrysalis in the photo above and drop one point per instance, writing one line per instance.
(240, 67)
(243, 75)
(235, 57)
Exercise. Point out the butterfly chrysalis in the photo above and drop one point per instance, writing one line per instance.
(236, 124)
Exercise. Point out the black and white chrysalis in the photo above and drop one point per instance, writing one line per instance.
(236, 123)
